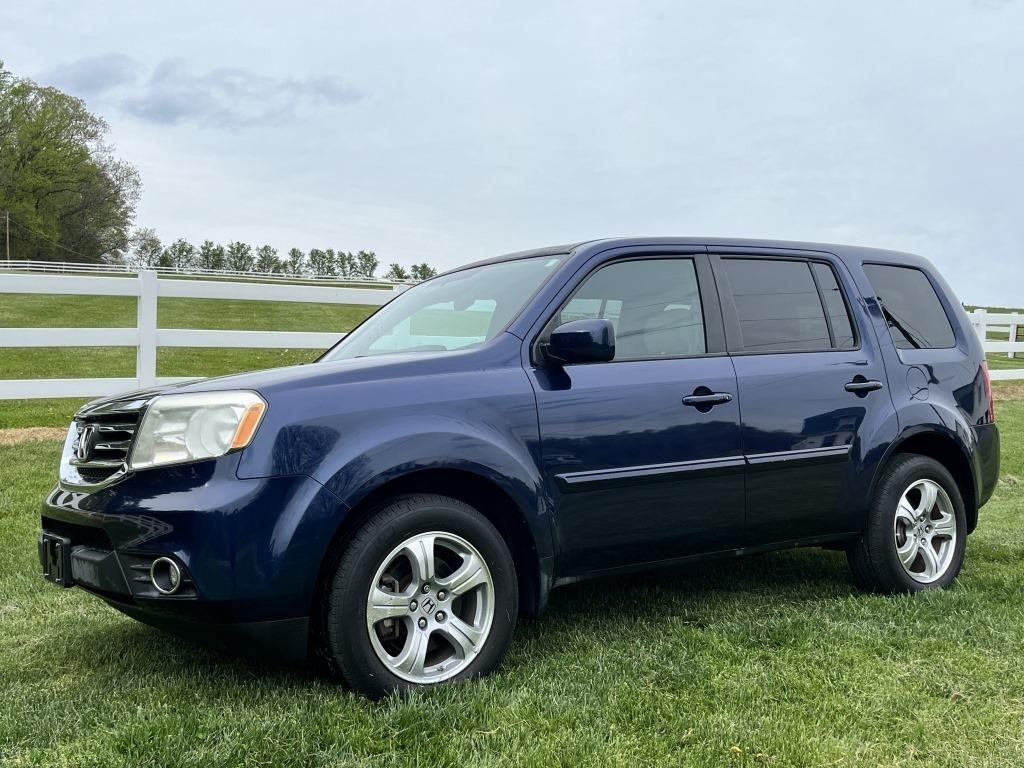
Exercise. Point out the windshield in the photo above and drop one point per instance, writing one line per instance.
(454, 311)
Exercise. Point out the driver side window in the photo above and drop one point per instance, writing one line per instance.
(653, 305)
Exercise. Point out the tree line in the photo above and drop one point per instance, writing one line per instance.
(148, 251)
(68, 198)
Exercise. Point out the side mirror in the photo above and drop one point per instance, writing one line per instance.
(582, 341)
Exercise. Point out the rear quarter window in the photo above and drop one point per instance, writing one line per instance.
(835, 306)
(913, 311)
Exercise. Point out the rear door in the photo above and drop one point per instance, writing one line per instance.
(641, 470)
(811, 386)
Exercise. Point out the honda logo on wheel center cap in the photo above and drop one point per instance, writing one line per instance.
(428, 605)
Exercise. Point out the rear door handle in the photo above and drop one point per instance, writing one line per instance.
(712, 398)
(863, 385)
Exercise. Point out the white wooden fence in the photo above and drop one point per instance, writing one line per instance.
(146, 337)
(985, 322)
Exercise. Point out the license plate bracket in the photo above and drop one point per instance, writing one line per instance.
(55, 557)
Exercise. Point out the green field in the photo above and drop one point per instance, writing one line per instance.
(43, 311)
(769, 661)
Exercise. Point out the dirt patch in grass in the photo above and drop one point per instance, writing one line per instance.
(1009, 392)
(26, 434)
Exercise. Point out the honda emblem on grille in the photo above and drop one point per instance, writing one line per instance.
(83, 448)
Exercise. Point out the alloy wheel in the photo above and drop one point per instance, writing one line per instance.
(925, 531)
(430, 607)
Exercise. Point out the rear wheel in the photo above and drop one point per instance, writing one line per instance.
(425, 592)
(916, 531)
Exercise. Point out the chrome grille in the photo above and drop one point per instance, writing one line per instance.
(107, 442)
(99, 442)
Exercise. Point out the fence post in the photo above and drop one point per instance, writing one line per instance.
(1012, 337)
(145, 360)
(981, 324)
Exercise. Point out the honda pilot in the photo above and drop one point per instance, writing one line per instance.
(527, 422)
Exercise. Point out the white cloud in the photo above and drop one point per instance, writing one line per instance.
(226, 97)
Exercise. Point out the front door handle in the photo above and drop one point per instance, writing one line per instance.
(860, 385)
(703, 398)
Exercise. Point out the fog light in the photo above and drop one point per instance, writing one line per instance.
(165, 575)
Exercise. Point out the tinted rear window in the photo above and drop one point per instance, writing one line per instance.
(778, 305)
(913, 311)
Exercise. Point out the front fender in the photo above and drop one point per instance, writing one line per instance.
(355, 473)
(353, 438)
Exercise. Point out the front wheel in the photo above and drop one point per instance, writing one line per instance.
(424, 593)
(916, 530)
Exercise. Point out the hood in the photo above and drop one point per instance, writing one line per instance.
(133, 400)
(504, 348)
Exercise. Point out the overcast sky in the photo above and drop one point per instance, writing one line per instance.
(451, 131)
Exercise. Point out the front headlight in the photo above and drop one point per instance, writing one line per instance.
(195, 425)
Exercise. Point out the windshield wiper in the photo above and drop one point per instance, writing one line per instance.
(895, 323)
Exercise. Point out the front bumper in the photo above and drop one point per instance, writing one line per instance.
(249, 550)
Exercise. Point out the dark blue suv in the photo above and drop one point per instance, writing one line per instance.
(527, 422)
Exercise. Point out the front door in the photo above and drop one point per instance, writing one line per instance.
(643, 452)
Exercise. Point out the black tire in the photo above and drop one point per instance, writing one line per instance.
(344, 608)
(873, 558)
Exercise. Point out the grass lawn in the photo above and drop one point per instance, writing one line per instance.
(768, 661)
(42, 311)
(1000, 362)
(38, 413)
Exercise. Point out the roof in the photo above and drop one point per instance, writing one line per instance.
(843, 251)
(550, 250)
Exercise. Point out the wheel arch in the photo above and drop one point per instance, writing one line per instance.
(945, 448)
(481, 492)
